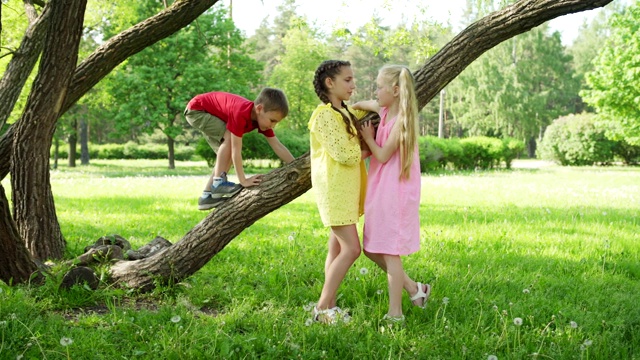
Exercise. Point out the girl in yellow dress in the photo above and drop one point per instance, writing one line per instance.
(338, 177)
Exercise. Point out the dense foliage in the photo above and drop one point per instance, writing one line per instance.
(613, 88)
(581, 140)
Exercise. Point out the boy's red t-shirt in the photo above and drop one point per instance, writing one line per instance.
(230, 108)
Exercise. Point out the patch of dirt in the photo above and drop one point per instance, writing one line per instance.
(129, 304)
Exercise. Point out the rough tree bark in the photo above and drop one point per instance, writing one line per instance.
(21, 265)
(34, 210)
(281, 186)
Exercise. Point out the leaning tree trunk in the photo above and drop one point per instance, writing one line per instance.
(284, 185)
(34, 210)
(216, 230)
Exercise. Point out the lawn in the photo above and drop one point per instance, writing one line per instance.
(536, 262)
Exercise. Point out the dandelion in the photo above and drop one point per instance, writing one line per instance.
(573, 324)
(588, 342)
(525, 291)
(492, 357)
(548, 211)
(290, 238)
(495, 307)
(364, 271)
(176, 319)
(3, 323)
(379, 292)
(309, 306)
(445, 300)
(517, 321)
(308, 322)
(604, 213)
(19, 357)
(65, 341)
(470, 238)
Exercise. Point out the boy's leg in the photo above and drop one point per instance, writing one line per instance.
(219, 185)
(213, 129)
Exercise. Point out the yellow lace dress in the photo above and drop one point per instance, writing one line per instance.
(338, 172)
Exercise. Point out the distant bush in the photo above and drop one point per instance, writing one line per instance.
(205, 151)
(130, 150)
(511, 149)
(255, 146)
(628, 154)
(467, 154)
(577, 140)
(480, 152)
(436, 153)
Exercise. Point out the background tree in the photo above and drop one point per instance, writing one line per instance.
(515, 89)
(267, 41)
(150, 91)
(295, 72)
(613, 84)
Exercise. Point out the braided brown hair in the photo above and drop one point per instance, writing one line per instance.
(329, 69)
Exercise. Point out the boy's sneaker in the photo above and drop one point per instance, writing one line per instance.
(225, 190)
(207, 202)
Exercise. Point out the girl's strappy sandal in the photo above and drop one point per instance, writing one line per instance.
(393, 319)
(421, 294)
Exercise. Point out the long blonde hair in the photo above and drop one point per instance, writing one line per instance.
(399, 75)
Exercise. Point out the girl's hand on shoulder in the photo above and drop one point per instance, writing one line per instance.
(367, 130)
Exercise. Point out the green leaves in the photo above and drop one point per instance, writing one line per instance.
(613, 83)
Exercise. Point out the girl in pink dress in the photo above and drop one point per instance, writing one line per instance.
(392, 219)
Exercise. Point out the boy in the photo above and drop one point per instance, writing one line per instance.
(223, 118)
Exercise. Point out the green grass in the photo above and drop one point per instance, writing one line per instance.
(555, 247)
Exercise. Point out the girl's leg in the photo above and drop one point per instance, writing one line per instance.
(396, 278)
(382, 261)
(349, 243)
(334, 250)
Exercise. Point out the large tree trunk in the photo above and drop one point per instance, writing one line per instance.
(16, 265)
(284, 185)
(34, 210)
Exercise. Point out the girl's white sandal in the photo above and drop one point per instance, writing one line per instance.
(421, 294)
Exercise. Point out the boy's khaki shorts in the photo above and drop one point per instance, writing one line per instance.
(211, 127)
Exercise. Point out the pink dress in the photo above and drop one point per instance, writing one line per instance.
(392, 204)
